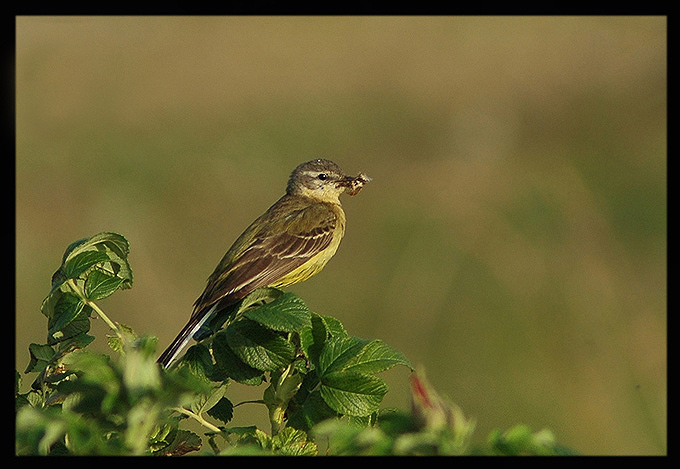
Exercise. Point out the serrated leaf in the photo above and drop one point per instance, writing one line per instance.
(257, 436)
(99, 285)
(70, 317)
(353, 393)
(259, 297)
(75, 248)
(376, 356)
(66, 310)
(223, 410)
(198, 360)
(345, 368)
(313, 410)
(71, 247)
(228, 363)
(259, 347)
(51, 300)
(339, 352)
(115, 242)
(293, 442)
(112, 241)
(107, 253)
(288, 313)
(75, 343)
(183, 443)
(313, 338)
(80, 325)
(71, 345)
(83, 261)
(121, 268)
(112, 249)
(334, 327)
(41, 355)
(206, 402)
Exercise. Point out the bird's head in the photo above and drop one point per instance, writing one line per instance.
(323, 180)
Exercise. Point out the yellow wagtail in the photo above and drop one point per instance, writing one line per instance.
(290, 242)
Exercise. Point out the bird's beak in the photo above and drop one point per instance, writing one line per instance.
(353, 184)
(345, 181)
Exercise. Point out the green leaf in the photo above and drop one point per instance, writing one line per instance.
(353, 393)
(68, 307)
(206, 402)
(341, 436)
(520, 440)
(140, 419)
(228, 363)
(259, 297)
(259, 347)
(127, 336)
(293, 442)
(41, 356)
(107, 250)
(115, 242)
(119, 263)
(70, 318)
(198, 360)
(223, 410)
(253, 435)
(334, 327)
(80, 263)
(37, 430)
(50, 301)
(183, 443)
(99, 285)
(313, 337)
(111, 241)
(339, 352)
(140, 373)
(98, 266)
(313, 410)
(345, 368)
(96, 369)
(376, 356)
(74, 343)
(288, 313)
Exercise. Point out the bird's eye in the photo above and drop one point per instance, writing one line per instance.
(322, 176)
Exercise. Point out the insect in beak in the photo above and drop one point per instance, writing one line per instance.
(354, 184)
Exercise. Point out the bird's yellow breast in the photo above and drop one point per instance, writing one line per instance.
(316, 263)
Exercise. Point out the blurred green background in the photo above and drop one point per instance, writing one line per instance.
(513, 240)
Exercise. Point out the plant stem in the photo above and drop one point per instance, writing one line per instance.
(287, 386)
(198, 418)
(95, 307)
(256, 401)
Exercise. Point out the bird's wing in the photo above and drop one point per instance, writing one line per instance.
(280, 246)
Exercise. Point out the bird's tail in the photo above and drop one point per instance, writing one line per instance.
(175, 348)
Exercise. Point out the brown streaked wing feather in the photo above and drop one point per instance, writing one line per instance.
(269, 259)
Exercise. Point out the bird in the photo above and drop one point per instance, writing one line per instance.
(290, 242)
